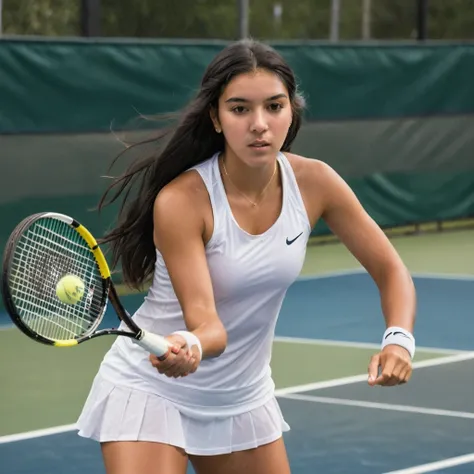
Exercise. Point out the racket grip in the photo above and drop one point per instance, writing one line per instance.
(154, 344)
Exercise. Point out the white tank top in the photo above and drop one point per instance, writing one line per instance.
(250, 276)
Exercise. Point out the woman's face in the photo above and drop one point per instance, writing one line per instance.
(254, 114)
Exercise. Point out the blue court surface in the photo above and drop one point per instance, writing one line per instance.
(342, 425)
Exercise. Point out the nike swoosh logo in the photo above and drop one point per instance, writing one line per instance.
(289, 242)
(395, 333)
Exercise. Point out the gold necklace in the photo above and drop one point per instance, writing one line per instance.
(254, 204)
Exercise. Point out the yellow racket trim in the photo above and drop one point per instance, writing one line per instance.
(66, 343)
(95, 249)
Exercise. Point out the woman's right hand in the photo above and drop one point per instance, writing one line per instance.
(181, 360)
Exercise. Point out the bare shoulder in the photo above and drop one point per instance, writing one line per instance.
(310, 171)
(317, 181)
(188, 188)
(183, 204)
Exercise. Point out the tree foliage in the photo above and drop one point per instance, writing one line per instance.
(41, 17)
(300, 19)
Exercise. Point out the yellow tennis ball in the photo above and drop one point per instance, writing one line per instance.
(70, 289)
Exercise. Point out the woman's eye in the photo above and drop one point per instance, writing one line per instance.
(275, 107)
(239, 109)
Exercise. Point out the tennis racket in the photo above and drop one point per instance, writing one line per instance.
(44, 251)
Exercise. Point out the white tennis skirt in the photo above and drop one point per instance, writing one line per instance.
(117, 413)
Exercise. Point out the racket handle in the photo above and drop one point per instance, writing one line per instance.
(154, 344)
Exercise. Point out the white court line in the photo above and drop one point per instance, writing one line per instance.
(380, 406)
(363, 377)
(361, 345)
(443, 276)
(280, 392)
(362, 271)
(340, 273)
(433, 466)
(37, 433)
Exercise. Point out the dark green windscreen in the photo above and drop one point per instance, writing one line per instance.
(396, 121)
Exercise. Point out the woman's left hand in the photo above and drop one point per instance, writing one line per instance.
(181, 360)
(395, 367)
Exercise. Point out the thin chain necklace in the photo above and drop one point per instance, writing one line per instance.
(254, 203)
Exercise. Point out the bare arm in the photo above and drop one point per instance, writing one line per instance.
(327, 195)
(178, 235)
(346, 217)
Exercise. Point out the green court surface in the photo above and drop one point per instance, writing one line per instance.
(449, 252)
(318, 362)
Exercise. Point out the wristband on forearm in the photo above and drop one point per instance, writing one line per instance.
(191, 339)
(400, 337)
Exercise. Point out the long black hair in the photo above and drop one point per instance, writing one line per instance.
(191, 141)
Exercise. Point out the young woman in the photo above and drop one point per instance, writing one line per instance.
(221, 218)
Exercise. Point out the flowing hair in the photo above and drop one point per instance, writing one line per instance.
(189, 142)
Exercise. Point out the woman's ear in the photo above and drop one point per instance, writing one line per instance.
(215, 119)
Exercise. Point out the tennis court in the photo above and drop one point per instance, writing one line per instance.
(329, 326)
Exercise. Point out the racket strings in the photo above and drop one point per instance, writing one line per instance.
(46, 252)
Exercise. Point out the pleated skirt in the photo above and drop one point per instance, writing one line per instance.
(119, 413)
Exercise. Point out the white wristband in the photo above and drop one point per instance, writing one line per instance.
(400, 337)
(191, 339)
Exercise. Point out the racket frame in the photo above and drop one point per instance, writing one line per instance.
(109, 291)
